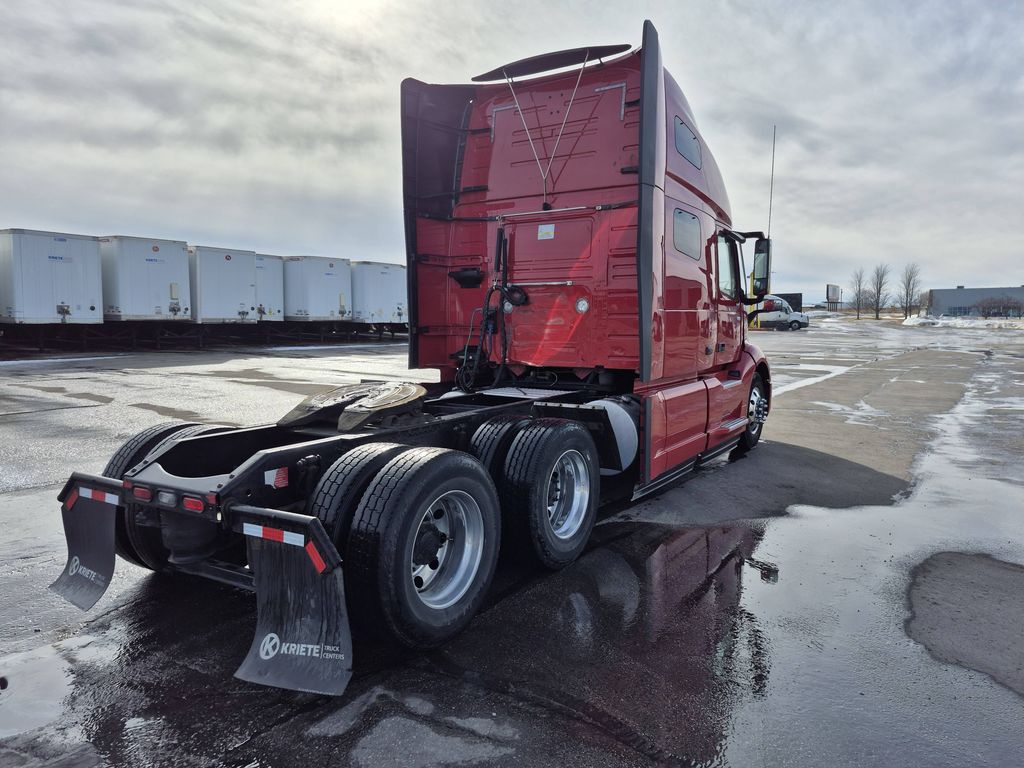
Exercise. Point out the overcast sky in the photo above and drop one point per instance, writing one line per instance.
(274, 125)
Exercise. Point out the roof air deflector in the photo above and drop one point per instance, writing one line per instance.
(548, 61)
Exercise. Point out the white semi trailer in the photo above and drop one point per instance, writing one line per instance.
(269, 288)
(223, 285)
(317, 288)
(49, 277)
(379, 293)
(145, 279)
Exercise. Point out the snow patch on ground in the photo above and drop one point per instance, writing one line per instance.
(1015, 323)
(861, 413)
(828, 372)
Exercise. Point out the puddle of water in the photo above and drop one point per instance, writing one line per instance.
(37, 683)
(842, 667)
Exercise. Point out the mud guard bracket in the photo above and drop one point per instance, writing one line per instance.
(302, 639)
(88, 506)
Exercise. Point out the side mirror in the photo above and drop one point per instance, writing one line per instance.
(762, 265)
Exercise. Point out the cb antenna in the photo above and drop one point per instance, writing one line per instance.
(771, 186)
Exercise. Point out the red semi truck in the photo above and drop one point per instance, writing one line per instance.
(576, 278)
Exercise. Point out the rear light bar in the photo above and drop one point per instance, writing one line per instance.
(193, 504)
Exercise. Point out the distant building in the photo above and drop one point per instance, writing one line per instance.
(960, 301)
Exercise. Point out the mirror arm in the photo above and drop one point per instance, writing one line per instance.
(757, 298)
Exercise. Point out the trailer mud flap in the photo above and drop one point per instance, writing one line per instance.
(88, 506)
(302, 639)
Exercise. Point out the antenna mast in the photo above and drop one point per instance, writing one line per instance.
(771, 186)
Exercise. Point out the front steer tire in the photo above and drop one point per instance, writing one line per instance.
(416, 497)
(752, 434)
(551, 489)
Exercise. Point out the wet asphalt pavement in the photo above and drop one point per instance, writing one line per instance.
(849, 594)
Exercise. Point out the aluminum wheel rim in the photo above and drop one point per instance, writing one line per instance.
(752, 409)
(568, 494)
(444, 580)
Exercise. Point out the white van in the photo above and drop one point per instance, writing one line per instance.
(777, 313)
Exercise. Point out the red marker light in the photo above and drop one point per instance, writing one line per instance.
(142, 494)
(193, 504)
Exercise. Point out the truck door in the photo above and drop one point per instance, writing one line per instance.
(730, 311)
(725, 393)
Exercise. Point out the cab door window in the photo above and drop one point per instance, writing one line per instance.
(725, 268)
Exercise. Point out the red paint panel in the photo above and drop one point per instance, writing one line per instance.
(679, 416)
(595, 250)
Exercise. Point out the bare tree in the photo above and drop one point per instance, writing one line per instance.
(878, 288)
(924, 300)
(909, 287)
(858, 282)
(999, 306)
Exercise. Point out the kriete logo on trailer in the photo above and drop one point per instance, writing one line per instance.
(272, 646)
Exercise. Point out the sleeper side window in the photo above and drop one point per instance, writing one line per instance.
(687, 143)
(686, 233)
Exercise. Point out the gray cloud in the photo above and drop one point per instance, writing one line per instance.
(275, 124)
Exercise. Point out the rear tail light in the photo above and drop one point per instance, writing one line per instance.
(142, 494)
(193, 504)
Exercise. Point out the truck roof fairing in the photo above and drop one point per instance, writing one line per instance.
(546, 62)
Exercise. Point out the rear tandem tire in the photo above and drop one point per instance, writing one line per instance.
(126, 457)
(143, 545)
(423, 546)
(491, 441)
(551, 489)
(342, 486)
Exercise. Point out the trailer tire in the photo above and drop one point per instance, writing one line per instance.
(127, 456)
(415, 503)
(554, 518)
(341, 487)
(752, 434)
(491, 441)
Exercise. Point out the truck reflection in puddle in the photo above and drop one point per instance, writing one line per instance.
(644, 637)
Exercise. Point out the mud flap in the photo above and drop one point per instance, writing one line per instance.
(88, 506)
(302, 639)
